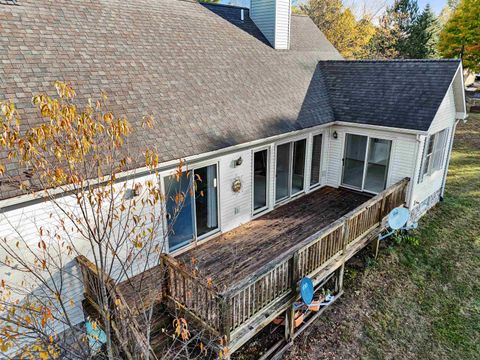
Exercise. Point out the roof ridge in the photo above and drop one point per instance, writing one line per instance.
(393, 60)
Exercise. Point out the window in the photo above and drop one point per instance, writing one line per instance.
(365, 163)
(192, 205)
(433, 153)
(260, 180)
(290, 169)
(316, 160)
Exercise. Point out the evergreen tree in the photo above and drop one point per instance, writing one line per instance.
(404, 32)
(422, 37)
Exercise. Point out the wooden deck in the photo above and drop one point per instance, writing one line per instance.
(238, 253)
(237, 283)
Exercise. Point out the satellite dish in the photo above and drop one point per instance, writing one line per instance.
(397, 220)
(306, 290)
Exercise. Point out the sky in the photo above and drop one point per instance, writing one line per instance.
(436, 5)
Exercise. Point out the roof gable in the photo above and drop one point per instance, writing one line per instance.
(403, 94)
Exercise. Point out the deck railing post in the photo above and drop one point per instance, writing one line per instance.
(345, 234)
(290, 312)
(225, 318)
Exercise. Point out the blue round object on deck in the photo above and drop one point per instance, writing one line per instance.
(306, 290)
(96, 336)
(398, 218)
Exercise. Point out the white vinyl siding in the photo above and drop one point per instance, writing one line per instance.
(432, 181)
(235, 208)
(402, 156)
(282, 24)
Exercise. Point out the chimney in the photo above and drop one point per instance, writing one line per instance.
(272, 17)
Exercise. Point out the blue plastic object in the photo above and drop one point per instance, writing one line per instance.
(306, 290)
(398, 218)
(96, 337)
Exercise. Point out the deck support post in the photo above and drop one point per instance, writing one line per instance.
(375, 245)
(339, 279)
(290, 312)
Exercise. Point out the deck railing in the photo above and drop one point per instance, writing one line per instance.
(193, 294)
(126, 331)
(225, 312)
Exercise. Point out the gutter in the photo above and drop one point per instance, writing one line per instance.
(31, 199)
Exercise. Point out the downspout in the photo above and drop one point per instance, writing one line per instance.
(418, 164)
(450, 146)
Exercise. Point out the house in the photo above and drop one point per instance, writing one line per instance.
(295, 143)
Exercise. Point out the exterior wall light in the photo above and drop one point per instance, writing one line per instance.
(238, 162)
(335, 135)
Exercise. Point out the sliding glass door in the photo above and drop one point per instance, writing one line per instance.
(365, 163)
(206, 199)
(354, 160)
(290, 169)
(298, 166)
(315, 164)
(179, 209)
(260, 180)
(377, 164)
(282, 175)
(192, 205)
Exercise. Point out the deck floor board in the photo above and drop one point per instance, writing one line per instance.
(234, 255)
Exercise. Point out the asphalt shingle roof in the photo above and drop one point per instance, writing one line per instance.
(209, 79)
(394, 93)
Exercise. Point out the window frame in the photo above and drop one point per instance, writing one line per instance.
(365, 165)
(256, 212)
(322, 152)
(196, 239)
(290, 196)
(433, 159)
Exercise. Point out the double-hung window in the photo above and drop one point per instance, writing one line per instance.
(433, 153)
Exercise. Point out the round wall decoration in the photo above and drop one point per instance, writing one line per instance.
(236, 185)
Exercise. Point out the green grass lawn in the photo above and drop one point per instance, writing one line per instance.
(416, 301)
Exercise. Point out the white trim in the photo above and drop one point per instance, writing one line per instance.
(459, 115)
(309, 161)
(193, 159)
(378, 127)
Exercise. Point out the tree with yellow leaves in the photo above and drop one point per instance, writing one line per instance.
(340, 26)
(460, 38)
(75, 159)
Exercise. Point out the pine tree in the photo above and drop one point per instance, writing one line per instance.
(421, 42)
